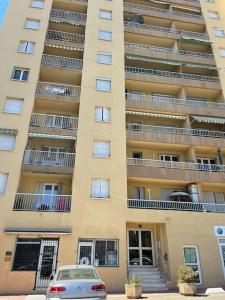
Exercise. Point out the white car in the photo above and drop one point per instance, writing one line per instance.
(76, 282)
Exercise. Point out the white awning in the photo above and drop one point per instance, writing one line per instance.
(51, 136)
(214, 120)
(154, 115)
(14, 230)
(8, 131)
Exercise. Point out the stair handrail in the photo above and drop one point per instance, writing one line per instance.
(163, 264)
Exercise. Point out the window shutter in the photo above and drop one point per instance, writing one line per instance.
(104, 188)
(13, 106)
(22, 46)
(219, 198)
(209, 197)
(101, 149)
(95, 189)
(106, 114)
(7, 141)
(98, 113)
(3, 182)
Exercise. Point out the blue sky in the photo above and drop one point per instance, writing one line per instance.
(3, 8)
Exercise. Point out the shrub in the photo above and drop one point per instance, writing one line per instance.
(133, 280)
(186, 275)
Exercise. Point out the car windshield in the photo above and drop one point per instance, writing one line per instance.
(70, 274)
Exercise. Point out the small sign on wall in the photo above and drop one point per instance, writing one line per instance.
(219, 231)
(8, 255)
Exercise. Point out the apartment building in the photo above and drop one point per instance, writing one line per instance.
(112, 141)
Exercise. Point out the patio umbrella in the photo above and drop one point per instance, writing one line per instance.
(180, 196)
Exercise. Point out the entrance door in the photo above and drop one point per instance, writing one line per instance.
(47, 262)
(85, 253)
(140, 248)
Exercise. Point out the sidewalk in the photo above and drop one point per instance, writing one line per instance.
(160, 296)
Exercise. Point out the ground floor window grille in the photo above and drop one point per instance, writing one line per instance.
(98, 252)
(26, 255)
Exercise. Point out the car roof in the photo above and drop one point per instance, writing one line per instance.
(67, 267)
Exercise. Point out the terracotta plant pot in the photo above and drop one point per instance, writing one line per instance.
(133, 291)
(188, 289)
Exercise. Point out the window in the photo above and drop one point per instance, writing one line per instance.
(100, 188)
(32, 24)
(7, 141)
(105, 35)
(102, 114)
(13, 106)
(3, 183)
(168, 157)
(191, 259)
(139, 193)
(99, 252)
(137, 155)
(101, 149)
(37, 3)
(105, 14)
(26, 254)
(20, 74)
(213, 15)
(214, 197)
(222, 52)
(104, 85)
(218, 32)
(104, 58)
(26, 47)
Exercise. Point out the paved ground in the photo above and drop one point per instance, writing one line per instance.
(161, 296)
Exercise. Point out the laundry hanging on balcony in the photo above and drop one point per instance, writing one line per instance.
(205, 119)
(158, 2)
(154, 115)
(155, 60)
(197, 11)
(64, 47)
(195, 41)
(66, 22)
(51, 136)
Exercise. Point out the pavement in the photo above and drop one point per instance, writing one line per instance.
(160, 296)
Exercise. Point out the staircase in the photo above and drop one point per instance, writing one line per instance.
(152, 280)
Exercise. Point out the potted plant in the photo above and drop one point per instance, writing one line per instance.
(186, 279)
(133, 287)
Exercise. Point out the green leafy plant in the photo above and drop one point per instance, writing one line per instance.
(186, 275)
(133, 280)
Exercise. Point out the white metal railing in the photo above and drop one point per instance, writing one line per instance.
(170, 100)
(174, 205)
(175, 165)
(161, 10)
(53, 121)
(48, 158)
(174, 130)
(170, 74)
(42, 202)
(58, 89)
(68, 15)
(65, 36)
(73, 63)
(168, 30)
(168, 50)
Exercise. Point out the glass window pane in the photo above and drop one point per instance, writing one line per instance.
(25, 75)
(13, 106)
(146, 238)
(190, 255)
(3, 182)
(17, 74)
(133, 238)
(134, 257)
(103, 85)
(147, 257)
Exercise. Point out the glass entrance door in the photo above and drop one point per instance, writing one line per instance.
(140, 248)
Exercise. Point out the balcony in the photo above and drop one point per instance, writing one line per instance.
(61, 62)
(179, 171)
(166, 32)
(173, 135)
(171, 104)
(174, 78)
(57, 91)
(42, 202)
(169, 53)
(68, 17)
(53, 124)
(48, 162)
(65, 39)
(163, 13)
(174, 205)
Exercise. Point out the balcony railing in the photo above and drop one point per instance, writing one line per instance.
(165, 11)
(65, 36)
(167, 100)
(170, 74)
(47, 158)
(173, 130)
(175, 165)
(42, 202)
(67, 62)
(53, 121)
(168, 30)
(174, 205)
(168, 50)
(68, 15)
(57, 89)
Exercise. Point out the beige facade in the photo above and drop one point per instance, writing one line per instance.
(112, 141)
